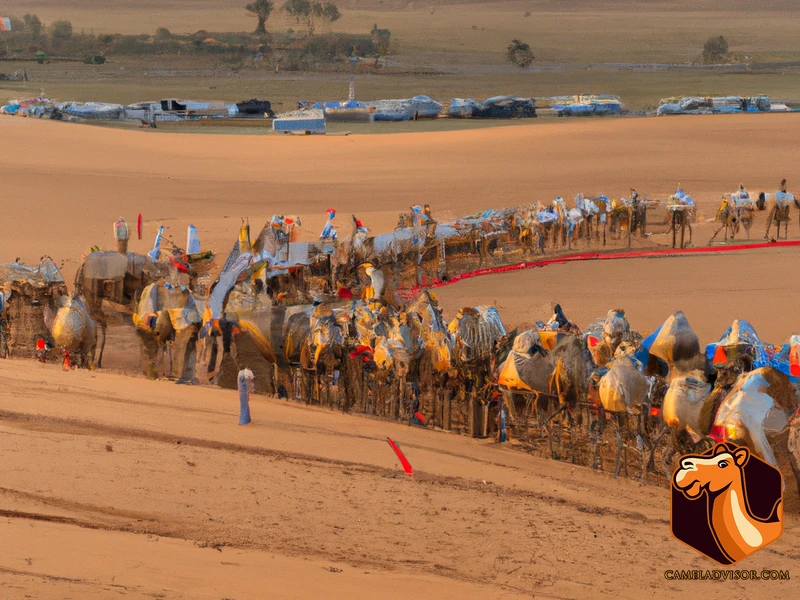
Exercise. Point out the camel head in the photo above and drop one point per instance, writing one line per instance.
(713, 474)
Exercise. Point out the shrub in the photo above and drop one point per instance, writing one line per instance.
(519, 53)
(334, 46)
(380, 38)
(94, 59)
(61, 30)
(715, 50)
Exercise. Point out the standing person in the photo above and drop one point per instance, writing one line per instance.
(246, 385)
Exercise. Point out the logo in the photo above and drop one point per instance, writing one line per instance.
(726, 503)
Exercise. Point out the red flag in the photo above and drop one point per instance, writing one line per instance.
(403, 460)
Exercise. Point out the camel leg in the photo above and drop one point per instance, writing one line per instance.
(618, 431)
(716, 233)
(671, 450)
(103, 328)
(651, 463)
(683, 232)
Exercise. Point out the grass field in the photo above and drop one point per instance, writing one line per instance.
(131, 81)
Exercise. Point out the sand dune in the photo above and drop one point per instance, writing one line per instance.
(63, 185)
(92, 458)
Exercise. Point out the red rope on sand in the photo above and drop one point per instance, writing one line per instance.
(413, 291)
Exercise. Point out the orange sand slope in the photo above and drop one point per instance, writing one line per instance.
(757, 286)
(64, 184)
(269, 508)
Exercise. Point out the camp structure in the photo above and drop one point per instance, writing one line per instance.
(346, 111)
(181, 110)
(97, 111)
(300, 122)
(498, 107)
(408, 109)
(701, 105)
(588, 105)
(27, 292)
(29, 107)
(254, 108)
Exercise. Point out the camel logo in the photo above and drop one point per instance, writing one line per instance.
(726, 503)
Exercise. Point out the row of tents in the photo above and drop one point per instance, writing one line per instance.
(152, 111)
(704, 105)
(496, 107)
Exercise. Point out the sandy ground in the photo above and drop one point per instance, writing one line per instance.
(267, 510)
(63, 185)
(112, 485)
(712, 291)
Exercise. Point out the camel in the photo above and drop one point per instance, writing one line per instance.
(681, 218)
(73, 330)
(475, 331)
(615, 330)
(594, 212)
(268, 338)
(623, 391)
(728, 218)
(732, 215)
(737, 531)
(687, 404)
(168, 322)
(431, 366)
(779, 214)
(678, 346)
(756, 410)
(100, 276)
(325, 348)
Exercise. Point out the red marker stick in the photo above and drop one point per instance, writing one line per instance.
(403, 460)
(139, 225)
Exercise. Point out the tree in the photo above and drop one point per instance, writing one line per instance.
(262, 9)
(715, 50)
(33, 25)
(61, 30)
(311, 12)
(381, 38)
(519, 53)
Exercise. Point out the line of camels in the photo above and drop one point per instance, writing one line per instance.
(593, 395)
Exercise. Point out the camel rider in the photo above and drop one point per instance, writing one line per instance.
(743, 192)
(783, 186)
(634, 195)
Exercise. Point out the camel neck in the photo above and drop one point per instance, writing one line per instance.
(735, 527)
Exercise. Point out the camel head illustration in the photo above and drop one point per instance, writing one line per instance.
(720, 477)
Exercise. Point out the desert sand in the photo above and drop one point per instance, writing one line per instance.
(68, 184)
(90, 459)
(114, 485)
